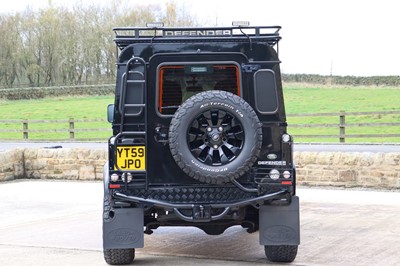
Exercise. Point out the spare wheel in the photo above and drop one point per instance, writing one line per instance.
(215, 136)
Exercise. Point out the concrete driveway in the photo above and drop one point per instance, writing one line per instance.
(59, 223)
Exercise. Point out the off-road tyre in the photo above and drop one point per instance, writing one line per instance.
(228, 107)
(115, 256)
(119, 256)
(107, 209)
(281, 253)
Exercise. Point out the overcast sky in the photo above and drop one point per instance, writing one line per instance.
(347, 37)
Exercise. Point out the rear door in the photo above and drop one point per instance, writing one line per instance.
(175, 78)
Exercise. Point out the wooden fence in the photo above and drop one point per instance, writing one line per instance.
(69, 127)
(342, 125)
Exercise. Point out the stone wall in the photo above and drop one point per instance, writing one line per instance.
(348, 169)
(67, 163)
(12, 165)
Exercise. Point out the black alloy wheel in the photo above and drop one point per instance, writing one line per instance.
(215, 137)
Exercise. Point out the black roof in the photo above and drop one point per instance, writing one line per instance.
(129, 35)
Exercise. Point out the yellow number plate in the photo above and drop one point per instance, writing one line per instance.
(131, 158)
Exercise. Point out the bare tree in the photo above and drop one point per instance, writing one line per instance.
(56, 45)
(10, 44)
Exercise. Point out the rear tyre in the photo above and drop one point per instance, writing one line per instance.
(115, 256)
(119, 256)
(281, 253)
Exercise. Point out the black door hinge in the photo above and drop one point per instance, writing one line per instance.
(161, 135)
(250, 68)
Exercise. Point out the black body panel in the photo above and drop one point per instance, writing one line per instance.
(199, 139)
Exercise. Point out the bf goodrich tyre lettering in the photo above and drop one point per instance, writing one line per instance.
(215, 136)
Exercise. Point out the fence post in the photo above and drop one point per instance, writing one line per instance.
(25, 129)
(342, 127)
(71, 129)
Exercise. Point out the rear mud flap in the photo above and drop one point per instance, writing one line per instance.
(280, 225)
(124, 230)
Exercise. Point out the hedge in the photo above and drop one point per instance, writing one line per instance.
(343, 80)
(108, 89)
(38, 92)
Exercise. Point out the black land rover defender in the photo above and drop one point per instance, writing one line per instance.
(199, 139)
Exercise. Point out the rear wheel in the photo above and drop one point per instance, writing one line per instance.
(119, 256)
(281, 253)
(115, 256)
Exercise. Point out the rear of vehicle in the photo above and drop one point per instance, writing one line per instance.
(199, 139)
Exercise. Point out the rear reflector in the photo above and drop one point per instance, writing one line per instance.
(114, 186)
(286, 182)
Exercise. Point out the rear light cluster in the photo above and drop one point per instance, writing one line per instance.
(116, 177)
(274, 174)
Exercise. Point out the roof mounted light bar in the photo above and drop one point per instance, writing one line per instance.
(240, 23)
(155, 25)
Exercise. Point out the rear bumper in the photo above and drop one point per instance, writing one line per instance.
(201, 212)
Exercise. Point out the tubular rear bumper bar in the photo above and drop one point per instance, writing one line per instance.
(158, 203)
(201, 212)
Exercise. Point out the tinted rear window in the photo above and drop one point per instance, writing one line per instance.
(179, 82)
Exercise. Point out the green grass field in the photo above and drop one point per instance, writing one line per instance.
(309, 99)
(299, 99)
(88, 107)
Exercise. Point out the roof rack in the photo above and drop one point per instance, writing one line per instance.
(128, 35)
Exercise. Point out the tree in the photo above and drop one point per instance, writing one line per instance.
(10, 44)
(60, 46)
